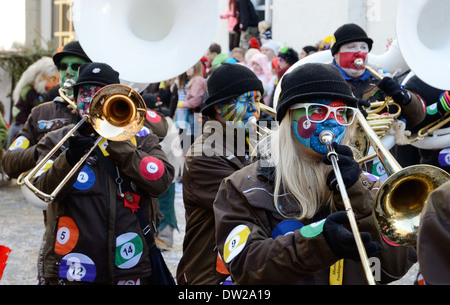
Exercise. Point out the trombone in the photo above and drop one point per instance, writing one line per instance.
(116, 112)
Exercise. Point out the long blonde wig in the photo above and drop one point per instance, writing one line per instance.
(298, 175)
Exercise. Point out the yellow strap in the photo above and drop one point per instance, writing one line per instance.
(336, 272)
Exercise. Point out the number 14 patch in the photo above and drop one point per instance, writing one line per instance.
(129, 248)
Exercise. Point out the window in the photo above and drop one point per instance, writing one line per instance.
(263, 9)
(62, 21)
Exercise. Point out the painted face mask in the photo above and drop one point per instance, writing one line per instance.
(68, 69)
(240, 109)
(85, 94)
(311, 118)
(348, 53)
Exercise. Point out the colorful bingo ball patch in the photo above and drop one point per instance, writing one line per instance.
(151, 168)
(85, 179)
(77, 267)
(20, 143)
(66, 235)
(129, 248)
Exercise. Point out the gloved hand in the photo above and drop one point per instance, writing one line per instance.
(392, 88)
(349, 168)
(78, 146)
(361, 105)
(342, 241)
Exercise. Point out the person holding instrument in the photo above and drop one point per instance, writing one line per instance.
(94, 229)
(281, 220)
(352, 43)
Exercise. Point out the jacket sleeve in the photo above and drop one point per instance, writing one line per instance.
(415, 112)
(252, 256)
(15, 162)
(145, 164)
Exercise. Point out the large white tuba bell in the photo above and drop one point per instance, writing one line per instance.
(146, 41)
(423, 33)
(424, 38)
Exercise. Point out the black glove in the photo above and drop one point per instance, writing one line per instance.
(349, 168)
(361, 105)
(78, 146)
(392, 88)
(342, 241)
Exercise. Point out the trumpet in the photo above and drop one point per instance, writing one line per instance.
(116, 112)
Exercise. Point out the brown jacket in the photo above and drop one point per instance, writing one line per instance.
(245, 200)
(433, 243)
(204, 169)
(46, 117)
(89, 226)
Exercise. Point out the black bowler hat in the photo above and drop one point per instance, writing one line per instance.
(349, 33)
(313, 81)
(229, 81)
(73, 48)
(96, 73)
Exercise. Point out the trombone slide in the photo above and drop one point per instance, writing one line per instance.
(326, 137)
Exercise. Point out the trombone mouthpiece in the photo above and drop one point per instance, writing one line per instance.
(68, 84)
(326, 137)
(359, 62)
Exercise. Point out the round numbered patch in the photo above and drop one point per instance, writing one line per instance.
(66, 236)
(235, 242)
(444, 157)
(153, 117)
(286, 227)
(77, 267)
(20, 143)
(313, 229)
(129, 248)
(151, 168)
(85, 179)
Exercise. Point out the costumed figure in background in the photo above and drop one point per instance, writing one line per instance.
(21, 155)
(29, 92)
(352, 43)
(234, 97)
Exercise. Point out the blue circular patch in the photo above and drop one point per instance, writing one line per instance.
(85, 180)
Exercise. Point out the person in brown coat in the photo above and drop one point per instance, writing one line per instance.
(234, 95)
(98, 226)
(281, 220)
(433, 243)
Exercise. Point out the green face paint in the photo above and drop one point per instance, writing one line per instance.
(68, 69)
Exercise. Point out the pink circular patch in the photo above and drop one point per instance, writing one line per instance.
(305, 128)
(153, 117)
(151, 168)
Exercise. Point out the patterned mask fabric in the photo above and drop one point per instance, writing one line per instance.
(238, 110)
(322, 115)
(85, 95)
